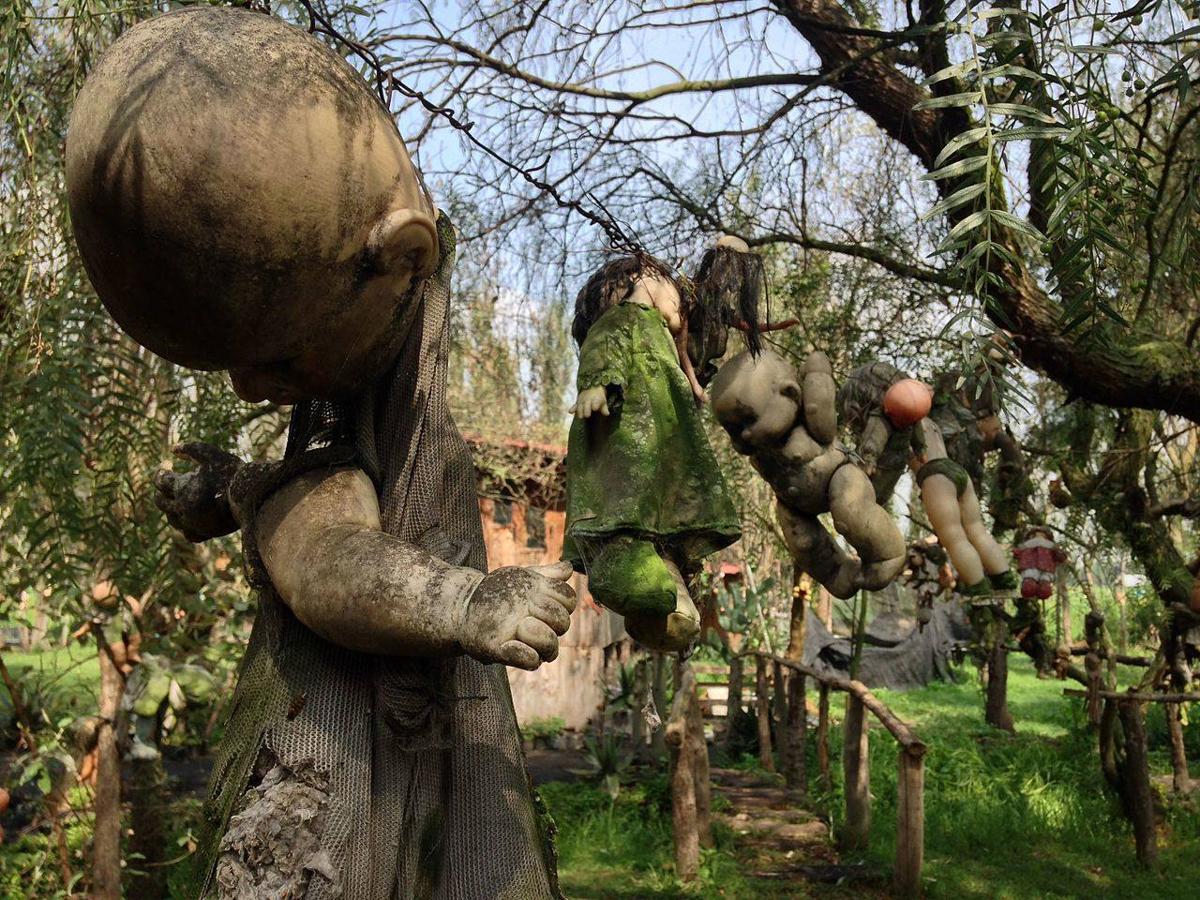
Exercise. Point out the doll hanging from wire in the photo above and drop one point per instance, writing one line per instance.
(646, 501)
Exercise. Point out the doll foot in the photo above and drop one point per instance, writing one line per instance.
(674, 632)
(631, 579)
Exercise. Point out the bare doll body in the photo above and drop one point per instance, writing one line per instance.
(788, 428)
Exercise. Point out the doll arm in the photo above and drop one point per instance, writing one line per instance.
(685, 363)
(321, 541)
(600, 379)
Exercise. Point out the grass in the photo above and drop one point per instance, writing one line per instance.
(1007, 816)
(1025, 815)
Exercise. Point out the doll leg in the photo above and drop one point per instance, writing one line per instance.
(815, 552)
(991, 554)
(939, 496)
(867, 526)
(673, 632)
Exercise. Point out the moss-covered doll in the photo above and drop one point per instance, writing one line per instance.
(646, 501)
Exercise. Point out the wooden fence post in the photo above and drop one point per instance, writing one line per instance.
(763, 708)
(856, 762)
(823, 739)
(795, 763)
(779, 713)
(684, 812)
(910, 823)
(733, 703)
(1135, 781)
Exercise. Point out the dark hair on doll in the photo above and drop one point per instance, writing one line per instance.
(730, 287)
(610, 284)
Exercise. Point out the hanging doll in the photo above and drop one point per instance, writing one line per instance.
(1038, 558)
(880, 405)
(645, 498)
(926, 573)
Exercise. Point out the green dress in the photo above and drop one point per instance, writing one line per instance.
(646, 470)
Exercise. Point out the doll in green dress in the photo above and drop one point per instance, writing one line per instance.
(646, 501)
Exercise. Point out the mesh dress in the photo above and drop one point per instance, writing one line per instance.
(419, 759)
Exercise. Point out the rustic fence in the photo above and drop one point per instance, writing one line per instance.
(778, 695)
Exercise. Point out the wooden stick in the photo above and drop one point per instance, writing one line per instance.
(1140, 698)
(823, 739)
(856, 764)
(762, 706)
(1135, 781)
(898, 728)
(910, 825)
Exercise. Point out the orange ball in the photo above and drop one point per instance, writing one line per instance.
(907, 402)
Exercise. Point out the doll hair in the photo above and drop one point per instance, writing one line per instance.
(730, 286)
(613, 282)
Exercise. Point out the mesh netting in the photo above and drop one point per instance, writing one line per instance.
(428, 791)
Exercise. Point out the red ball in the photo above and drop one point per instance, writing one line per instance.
(907, 402)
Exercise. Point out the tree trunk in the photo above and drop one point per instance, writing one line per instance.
(779, 713)
(1135, 782)
(637, 722)
(763, 708)
(106, 841)
(996, 713)
(702, 782)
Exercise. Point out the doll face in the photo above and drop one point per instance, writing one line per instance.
(756, 400)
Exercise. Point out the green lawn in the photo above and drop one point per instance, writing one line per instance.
(1028, 815)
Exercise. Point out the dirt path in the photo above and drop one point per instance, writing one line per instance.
(779, 841)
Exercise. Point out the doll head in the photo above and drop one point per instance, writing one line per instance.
(242, 201)
(634, 279)
(730, 286)
(756, 399)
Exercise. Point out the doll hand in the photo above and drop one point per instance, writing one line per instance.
(594, 399)
(197, 502)
(515, 615)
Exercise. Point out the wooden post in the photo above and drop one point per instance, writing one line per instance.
(823, 740)
(779, 714)
(684, 818)
(856, 763)
(795, 763)
(701, 780)
(996, 710)
(733, 706)
(1181, 781)
(106, 841)
(637, 722)
(910, 823)
(1135, 781)
(658, 688)
(762, 706)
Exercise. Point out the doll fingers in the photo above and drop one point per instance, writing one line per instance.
(551, 612)
(519, 656)
(538, 635)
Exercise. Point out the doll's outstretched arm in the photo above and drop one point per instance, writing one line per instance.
(321, 540)
(685, 363)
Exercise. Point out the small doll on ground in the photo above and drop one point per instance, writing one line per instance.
(787, 424)
(646, 501)
(1038, 559)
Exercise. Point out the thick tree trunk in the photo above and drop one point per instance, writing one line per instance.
(1113, 368)
(795, 764)
(106, 842)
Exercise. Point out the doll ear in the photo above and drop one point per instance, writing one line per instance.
(404, 239)
(791, 390)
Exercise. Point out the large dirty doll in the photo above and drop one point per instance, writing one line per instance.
(645, 498)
